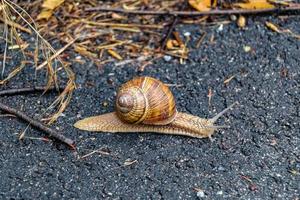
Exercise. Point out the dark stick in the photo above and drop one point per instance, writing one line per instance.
(165, 40)
(196, 13)
(27, 90)
(175, 20)
(38, 125)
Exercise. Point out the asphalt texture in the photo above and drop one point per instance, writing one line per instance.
(257, 158)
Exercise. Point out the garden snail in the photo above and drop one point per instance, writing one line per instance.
(145, 104)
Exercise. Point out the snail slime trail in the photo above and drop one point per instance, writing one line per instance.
(145, 104)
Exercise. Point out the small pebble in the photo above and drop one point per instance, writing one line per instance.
(167, 58)
(253, 187)
(105, 103)
(221, 27)
(241, 21)
(187, 34)
(221, 168)
(247, 48)
(200, 194)
(233, 17)
(220, 192)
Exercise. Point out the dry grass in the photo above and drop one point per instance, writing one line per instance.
(42, 55)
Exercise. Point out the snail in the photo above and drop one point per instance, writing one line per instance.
(145, 104)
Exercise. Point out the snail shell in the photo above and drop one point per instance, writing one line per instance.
(145, 100)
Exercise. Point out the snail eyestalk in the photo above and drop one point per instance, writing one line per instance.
(220, 114)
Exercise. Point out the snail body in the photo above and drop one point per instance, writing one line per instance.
(145, 104)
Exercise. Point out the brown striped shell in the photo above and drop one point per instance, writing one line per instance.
(145, 100)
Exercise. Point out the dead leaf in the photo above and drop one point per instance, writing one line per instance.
(178, 38)
(171, 44)
(45, 14)
(201, 5)
(254, 4)
(52, 4)
(48, 7)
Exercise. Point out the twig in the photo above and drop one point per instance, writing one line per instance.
(165, 40)
(17, 91)
(38, 125)
(15, 25)
(199, 42)
(175, 20)
(56, 54)
(196, 13)
(93, 152)
(7, 115)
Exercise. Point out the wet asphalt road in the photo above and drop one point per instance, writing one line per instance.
(257, 158)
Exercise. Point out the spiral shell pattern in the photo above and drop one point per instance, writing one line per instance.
(145, 100)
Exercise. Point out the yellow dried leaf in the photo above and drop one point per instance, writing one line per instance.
(254, 4)
(52, 4)
(48, 7)
(114, 54)
(273, 27)
(45, 14)
(200, 5)
(171, 44)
